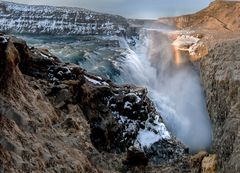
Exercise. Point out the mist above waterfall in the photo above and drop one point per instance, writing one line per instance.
(174, 87)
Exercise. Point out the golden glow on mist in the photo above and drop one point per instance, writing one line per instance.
(177, 55)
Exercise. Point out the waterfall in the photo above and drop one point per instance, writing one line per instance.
(174, 87)
(173, 83)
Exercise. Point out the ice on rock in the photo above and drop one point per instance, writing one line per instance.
(152, 133)
(93, 81)
(47, 57)
(3, 39)
(105, 83)
(127, 105)
(96, 82)
(138, 99)
(144, 131)
(146, 138)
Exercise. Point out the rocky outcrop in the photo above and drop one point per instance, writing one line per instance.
(220, 73)
(209, 164)
(27, 123)
(20, 18)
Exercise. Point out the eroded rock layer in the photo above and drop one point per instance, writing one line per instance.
(20, 18)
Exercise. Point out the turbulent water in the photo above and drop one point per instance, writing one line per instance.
(148, 61)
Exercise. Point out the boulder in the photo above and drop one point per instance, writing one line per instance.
(209, 164)
(136, 157)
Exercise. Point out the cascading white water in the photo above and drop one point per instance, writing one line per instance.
(174, 88)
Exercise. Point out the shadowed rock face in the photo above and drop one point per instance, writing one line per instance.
(56, 116)
(220, 73)
(19, 18)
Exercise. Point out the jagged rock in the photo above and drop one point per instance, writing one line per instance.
(9, 59)
(165, 150)
(209, 164)
(197, 158)
(136, 157)
(6, 144)
(15, 116)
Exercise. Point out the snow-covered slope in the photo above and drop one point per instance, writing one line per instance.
(21, 18)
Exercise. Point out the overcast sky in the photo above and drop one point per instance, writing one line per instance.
(131, 8)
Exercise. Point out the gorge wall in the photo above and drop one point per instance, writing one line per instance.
(219, 68)
(218, 26)
(220, 73)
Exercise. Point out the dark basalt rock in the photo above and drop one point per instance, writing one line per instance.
(162, 150)
(135, 157)
(132, 105)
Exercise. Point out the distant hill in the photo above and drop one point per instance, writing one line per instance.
(219, 15)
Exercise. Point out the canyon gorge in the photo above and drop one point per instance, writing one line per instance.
(82, 91)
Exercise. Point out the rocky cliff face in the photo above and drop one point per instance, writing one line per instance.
(220, 73)
(19, 18)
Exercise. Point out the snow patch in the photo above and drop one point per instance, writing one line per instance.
(187, 43)
(138, 99)
(3, 40)
(93, 81)
(47, 57)
(152, 133)
(127, 105)
(96, 82)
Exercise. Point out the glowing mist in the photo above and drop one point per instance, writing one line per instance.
(174, 87)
